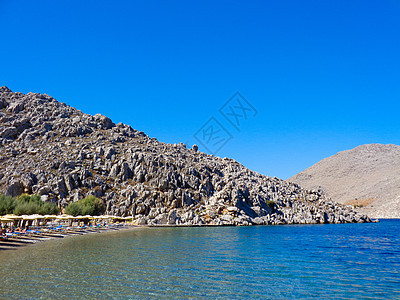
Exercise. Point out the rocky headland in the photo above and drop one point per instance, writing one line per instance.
(56, 151)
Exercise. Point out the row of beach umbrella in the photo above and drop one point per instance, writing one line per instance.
(38, 218)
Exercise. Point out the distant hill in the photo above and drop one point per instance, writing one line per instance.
(367, 176)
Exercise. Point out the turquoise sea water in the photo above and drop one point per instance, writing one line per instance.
(349, 261)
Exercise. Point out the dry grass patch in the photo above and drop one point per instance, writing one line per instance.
(360, 202)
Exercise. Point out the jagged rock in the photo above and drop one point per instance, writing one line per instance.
(161, 219)
(5, 90)
(125, 172)
(16, 188)
(109, 152)
(140, 221)
(105, 121)
(9, 133)
(16, 107)
(3, 103)
(140, 209)
(45, 190)
(172, 217)
(114, 171)
(100, 150)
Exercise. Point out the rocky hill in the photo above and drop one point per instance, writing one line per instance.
(367, 176)
(62, 154)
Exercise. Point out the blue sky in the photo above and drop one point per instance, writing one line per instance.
(323, 76)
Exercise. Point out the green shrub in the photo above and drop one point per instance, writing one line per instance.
(270, 204)
(48, 208)
(7, 205)
(73, 209)
(26, 205)
(88, 206)
(24, 198)
(26, 208)
(29, 205)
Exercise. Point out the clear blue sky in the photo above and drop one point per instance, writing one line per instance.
(323, 76)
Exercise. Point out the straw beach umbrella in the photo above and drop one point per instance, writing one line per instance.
(6, 220)
(14, 217)
(50, 217)
(84, 219)
(16, 220)
(32, 218)
(65, 218)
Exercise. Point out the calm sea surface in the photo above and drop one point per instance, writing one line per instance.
(350, 261)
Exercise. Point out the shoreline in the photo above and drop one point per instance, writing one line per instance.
(16, 242)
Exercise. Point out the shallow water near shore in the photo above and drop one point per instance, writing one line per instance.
(345, 261)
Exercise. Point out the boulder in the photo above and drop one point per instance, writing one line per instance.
(4, 89)
(3, 103)
(109, 152)
(16, 107)
(172, 217)
(161, 219)
(9, 133)
(105, 121)
(16, 188)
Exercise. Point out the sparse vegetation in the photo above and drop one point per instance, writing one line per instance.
(88, 206)
(270, 203)
(359, 203)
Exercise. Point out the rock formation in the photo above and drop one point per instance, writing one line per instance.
(367, 176)
(56, 151)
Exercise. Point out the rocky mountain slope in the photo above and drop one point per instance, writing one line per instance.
(366, 176)
(54, 150)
